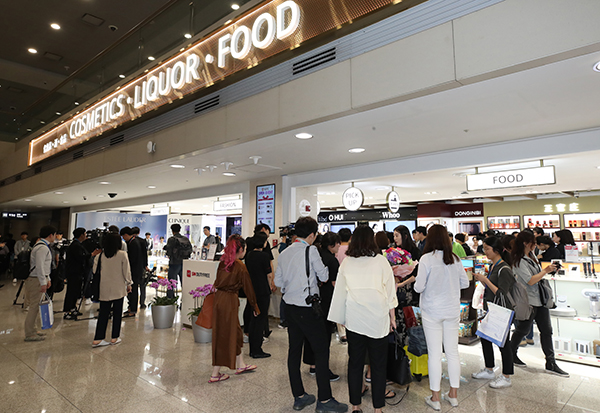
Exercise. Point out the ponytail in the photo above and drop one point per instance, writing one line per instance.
(235, 243)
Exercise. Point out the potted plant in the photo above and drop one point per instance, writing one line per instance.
(163, 307)
(201, 334)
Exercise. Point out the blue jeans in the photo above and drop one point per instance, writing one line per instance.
(174, 270)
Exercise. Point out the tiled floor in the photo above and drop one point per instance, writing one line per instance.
(165, 371)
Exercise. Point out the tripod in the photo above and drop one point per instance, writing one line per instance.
(18, 294)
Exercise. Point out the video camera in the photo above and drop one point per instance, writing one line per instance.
(287, 232)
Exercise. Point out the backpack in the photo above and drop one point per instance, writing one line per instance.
(519, 300)
(183, 249)
(22, 270)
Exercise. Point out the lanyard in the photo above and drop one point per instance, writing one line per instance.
(494, 266)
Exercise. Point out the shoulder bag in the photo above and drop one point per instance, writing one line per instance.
(398, 364)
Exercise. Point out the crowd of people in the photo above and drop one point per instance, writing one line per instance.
(328, 282)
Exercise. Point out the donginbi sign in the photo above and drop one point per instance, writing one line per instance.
(261, 33)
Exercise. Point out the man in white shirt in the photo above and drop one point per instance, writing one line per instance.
(39, 280)
(303, 321)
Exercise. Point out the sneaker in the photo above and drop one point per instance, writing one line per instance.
(501, 382)
(518, 362)
(69, 316)
(484, 374)
(343, 340)
(312, 371)
(453, 401)
(88, 301)
(523, 343)
(35, 338)
(265, 340)
(331, 406)
(246, 338)
(303, 401)
(143, 306)
(434, 405)
(530, 341)
(554, 369)
(333, 376)
(14, 280)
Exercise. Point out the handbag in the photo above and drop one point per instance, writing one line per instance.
(46, 312)
(205, 318)
(398, 363)
(417, 344)
(546, 294)
(496, 324)
(409, 317)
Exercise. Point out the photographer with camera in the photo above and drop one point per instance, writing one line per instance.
(298, 270)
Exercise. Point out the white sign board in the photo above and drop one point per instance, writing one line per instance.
(393, 201)
(304, 208)
(230, 205)
(511, 179)
(166, 210)
(353, 199)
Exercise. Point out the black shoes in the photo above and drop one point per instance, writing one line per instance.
(552, 368)
(143, 306)
(331, 406)
(518, 362)
(301, 402)
(262, 355)
(332, 375)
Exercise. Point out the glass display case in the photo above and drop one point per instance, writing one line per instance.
(504, 223)
(550, 222)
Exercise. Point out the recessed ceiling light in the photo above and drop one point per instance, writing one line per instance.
(597, 67)
(304, 135)
(65, 202)
(151, 187)
(76, 103)
(42, 122)
(187, 36)
(32, 50)
(100, 196)
(28, 129)
(27, 200)
(235, 6)
(58, 113)
(104, 183)
(151, 58)
(229, 173)
(55, 26)
(122, 76)
(58, 193)
(356, 150)
(598, 167)
(177, 166)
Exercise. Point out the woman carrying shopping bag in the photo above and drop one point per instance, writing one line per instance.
(497, 284)
(440, 278)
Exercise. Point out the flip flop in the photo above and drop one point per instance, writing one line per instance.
(365, 390)
(390, 394)
(249, 367)
(127, 315)
(114, 343)
(101, 344)
(220, 377)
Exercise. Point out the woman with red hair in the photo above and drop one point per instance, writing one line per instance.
(227, 335)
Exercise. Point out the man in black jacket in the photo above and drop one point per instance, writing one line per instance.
(136, 262)
(77, 264)
(144, 248)
(548, 250)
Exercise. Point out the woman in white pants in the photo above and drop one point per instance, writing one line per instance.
(440, 278)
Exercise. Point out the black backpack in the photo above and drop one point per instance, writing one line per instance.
(183, 249)
(22, 270)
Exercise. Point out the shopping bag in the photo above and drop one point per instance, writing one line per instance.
(46, 312)
(398, 363)
(205, 318)
(496, 324)
(477, 301)
(417, 344)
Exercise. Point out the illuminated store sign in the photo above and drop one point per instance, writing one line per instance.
(234, 204)
(511, 179)
(264, 32)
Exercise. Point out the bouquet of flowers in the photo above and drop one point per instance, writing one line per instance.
(401, 262)
(170, 285)
(199, 294)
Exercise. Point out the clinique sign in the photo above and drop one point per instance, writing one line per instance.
(259, 34)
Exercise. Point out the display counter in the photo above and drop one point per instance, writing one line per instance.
(196, 273)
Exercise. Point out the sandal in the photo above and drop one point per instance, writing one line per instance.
(390, 394)
(128, 314)
(249, 367)
(220, 377)
(365, 390)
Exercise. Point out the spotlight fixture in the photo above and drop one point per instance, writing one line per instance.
(151, 58)
(304, 135)
(187, 36)
(55, 26)
(76, 103)
(235, 6)
(32, 50)
(122, 76)
(229, 173)
(58, 113)
(356, 150)
(178, 166)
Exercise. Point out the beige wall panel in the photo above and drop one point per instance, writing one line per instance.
(137, 152)
(206, 130)
(55, 178)
(414, 64)
(36, 184)
(254, 115)
(92, 166)
(514, 32)
(6, 149)
(170, 142)
(74, 171)
(316, 96)
(115, 160)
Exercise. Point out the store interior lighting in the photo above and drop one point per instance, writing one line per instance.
(55, 26)
(597, 67)
(32, 50)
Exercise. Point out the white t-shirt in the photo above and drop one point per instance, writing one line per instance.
(440, 285)
(365, 291)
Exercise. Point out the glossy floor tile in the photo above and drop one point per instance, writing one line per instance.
(165, 371)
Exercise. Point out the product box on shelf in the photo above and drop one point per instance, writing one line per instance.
(562, 344)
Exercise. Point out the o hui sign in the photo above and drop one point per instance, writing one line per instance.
(511, 179)
(262, 32)
(353, 199)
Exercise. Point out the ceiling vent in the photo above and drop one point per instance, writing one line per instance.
(207, 104)
(115, 140)
(92, 20)
(316, 60)
(78, 154)
(52, 56)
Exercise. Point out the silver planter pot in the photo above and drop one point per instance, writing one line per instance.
(163, 315)
(201, 334)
